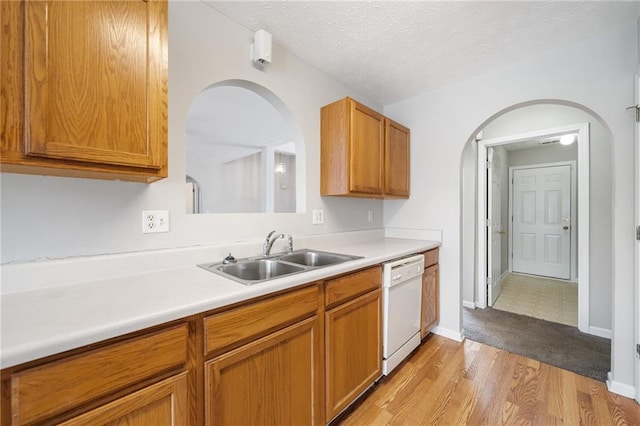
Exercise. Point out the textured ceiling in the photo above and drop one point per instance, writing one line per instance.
(392, 50)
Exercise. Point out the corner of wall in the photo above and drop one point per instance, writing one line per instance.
(449, 334)
(620, 388)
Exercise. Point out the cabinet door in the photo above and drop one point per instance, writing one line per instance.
(274, 380)
(429, 300)
(396, 165)
(353, 350)
(47, 390)
(94, 76)
(164, 403)
(366, 150)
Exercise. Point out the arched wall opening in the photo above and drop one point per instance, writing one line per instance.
(530, 117)
(245, 152)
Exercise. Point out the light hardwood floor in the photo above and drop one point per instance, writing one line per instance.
(450, 383)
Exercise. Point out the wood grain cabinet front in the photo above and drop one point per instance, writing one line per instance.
(53, 390)
(396, 164)
(363, 153)
(267, 361)
(237, 326)
(353, 345)
(430, 288)
(274, 380)
(163, 403)
(83, 88)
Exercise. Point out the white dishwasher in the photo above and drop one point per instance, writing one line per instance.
(401, 300)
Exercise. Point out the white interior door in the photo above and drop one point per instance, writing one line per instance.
(494, 226)
(542, 221)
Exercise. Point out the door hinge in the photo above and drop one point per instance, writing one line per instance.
(637, 110)
(638, 233)
(638, 350)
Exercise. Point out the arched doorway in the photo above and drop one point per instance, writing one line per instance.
(526, 118)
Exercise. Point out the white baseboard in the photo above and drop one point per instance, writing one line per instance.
(600, 332)
(467, 304)
(449, 334)
(620, 388)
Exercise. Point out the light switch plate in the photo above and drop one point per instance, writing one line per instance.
(318, 217)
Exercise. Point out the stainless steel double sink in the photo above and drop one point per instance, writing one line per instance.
(255, 270)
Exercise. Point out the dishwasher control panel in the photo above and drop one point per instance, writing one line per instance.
(401, 270)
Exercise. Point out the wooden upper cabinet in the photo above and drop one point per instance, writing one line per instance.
(363, 154)
(396, 166)
(91, 81)
(366, 150)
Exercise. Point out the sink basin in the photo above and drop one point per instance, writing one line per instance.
(315, 258)
(254, 270)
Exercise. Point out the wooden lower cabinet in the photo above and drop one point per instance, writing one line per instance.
(296, 357)
(273, 380)
(163, 403)
(51, 391)
(430, 313)
(353, 345)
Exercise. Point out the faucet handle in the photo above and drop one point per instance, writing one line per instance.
(229, 259)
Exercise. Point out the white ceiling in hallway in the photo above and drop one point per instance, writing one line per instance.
(391, 50)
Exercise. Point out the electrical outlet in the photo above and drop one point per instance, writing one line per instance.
(155, 221)
(318, 217)
(370, 216)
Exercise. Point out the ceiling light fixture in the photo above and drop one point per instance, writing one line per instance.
(567, 139)
(280, 168)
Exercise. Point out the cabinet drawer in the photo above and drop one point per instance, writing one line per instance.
(56, 387)
(430, 257)
(341, 289)
(248, 322)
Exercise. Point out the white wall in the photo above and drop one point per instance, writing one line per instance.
(50, 217)
(598, 74)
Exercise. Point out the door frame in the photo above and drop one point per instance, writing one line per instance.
(637, 242)
(574, 193)
(582, 130)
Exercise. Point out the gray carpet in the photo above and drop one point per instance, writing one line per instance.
(556, 344)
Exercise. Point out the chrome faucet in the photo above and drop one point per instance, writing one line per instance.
(268, 243)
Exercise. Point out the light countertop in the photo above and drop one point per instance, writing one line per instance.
(46, 321)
